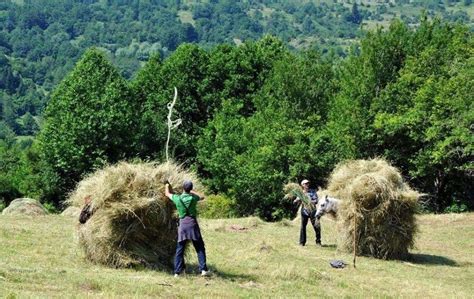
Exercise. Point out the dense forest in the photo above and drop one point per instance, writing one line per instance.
(40, 41)
(86, 83)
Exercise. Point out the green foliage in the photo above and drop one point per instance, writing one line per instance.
(88, 121)
(250, 156)
(40, 42)
(9, 164)
(216, 207)
(456, 207)
(2, 205)
(256, 116)
(424, 119)
(50, 207)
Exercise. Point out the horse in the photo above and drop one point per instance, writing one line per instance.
(328, 205)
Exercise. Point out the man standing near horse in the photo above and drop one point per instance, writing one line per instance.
(308, 212)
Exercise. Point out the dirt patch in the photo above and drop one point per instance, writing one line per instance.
(237, 228)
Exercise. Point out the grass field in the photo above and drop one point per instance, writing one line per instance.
(248, 257)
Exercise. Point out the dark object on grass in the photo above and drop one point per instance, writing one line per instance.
(339, 264)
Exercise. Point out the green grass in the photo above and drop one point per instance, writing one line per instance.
(249, 258)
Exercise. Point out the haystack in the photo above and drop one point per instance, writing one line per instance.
(374, 194)
(132, 222)
(71, 212)
(25, 206)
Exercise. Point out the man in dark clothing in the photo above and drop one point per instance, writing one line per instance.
(188, 227)
(308, 211)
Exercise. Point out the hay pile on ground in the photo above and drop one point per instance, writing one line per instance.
(25, 206)
(375, 195)
(132, 221)
(71, 212)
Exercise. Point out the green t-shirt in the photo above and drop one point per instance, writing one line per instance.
(190, 200)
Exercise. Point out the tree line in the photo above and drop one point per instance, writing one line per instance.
(40, 41)
(258, 115)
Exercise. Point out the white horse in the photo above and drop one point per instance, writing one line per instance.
(327, 205)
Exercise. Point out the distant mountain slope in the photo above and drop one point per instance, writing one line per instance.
(40, 41)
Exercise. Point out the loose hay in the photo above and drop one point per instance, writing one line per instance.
(383, 205)
(71, 212)
(132, 221)
(25, 206)
(293, 191)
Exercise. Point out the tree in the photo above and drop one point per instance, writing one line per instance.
(424, 119)
(90, 120)
(29, 124)
(250, 156)
(146, 87)
(355, 16)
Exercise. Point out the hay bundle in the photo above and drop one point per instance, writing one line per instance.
(293, 191)
(383, 206)
(25, 206)
(132, 221)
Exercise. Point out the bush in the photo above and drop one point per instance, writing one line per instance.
(2, 205)
(217, 206)
(456, 207)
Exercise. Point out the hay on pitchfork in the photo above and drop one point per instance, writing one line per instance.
(132, 222)
(293, 191)
(383, 205)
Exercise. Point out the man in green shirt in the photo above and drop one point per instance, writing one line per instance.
(188, 227)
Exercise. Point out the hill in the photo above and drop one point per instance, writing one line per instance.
(40, 41)
(249, 258)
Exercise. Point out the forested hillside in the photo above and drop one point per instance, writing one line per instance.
(40, 41)
(90, 80)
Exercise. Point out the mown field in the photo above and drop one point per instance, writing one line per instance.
(248, 257)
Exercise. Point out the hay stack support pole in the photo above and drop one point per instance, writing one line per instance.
(172, 124)
(355, 241)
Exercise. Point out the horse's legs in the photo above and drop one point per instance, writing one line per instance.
(317, 229)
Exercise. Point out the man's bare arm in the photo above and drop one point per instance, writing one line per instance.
(201, 196)
(167, 191)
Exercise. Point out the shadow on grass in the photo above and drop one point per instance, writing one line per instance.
(215, 272)
(329, 245)
(429, 259)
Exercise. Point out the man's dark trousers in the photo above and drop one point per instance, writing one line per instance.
(304, 221)
(179, 258)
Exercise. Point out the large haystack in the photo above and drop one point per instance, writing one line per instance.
(71, 212)
(132, 221)
(25, 206)
(383, 205)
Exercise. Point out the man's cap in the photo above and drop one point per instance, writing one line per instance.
(304, 182)
(188, 185)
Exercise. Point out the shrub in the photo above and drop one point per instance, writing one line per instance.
(217, 206)
(456, 207)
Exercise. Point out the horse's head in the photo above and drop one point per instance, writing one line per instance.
(327, 205)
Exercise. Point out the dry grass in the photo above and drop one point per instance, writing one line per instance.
(377, 210)
(133, 223)
(72, 212)
(249, 258)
